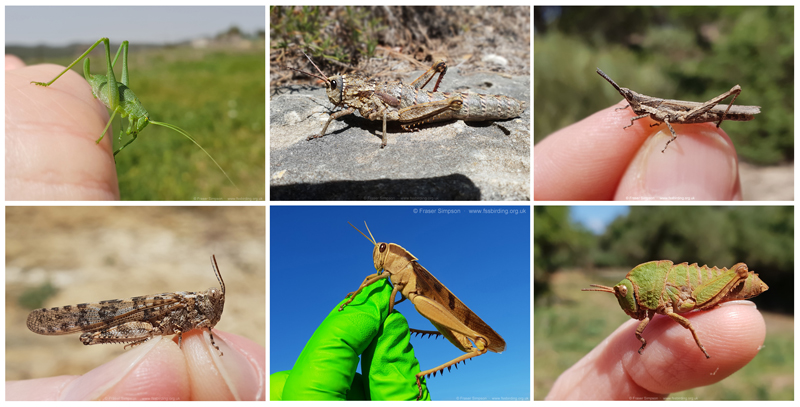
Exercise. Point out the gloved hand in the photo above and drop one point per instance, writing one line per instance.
(326, 368)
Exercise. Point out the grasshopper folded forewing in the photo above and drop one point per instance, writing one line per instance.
(452, 319)
(462, 323)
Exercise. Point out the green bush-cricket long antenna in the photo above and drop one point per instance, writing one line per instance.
(185, 134)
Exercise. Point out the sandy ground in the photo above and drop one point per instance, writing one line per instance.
(772, 183)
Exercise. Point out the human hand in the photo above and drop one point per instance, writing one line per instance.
(596, 159)
(732, 334)
(326, 368)
(159, 370)
(51, 152)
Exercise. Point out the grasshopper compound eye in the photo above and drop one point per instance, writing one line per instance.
(383, 247)
(333, 84)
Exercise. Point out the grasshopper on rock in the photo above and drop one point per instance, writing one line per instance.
(411, 105)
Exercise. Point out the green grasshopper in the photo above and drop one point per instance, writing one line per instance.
(659, 287)
(120, 98)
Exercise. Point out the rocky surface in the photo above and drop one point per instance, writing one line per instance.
(453, 160)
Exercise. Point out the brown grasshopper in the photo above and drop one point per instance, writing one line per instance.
(411, 105)
(680, 111)
(453, 320)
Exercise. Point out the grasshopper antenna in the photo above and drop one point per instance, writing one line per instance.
(611, 81)
(321, 75)
(599, 287)
(370, 233)
(185, 134)
(365, 236)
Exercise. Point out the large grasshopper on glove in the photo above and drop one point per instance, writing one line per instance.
(411, 105)
(453, 320)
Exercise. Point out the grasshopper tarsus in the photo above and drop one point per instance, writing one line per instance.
(419, 385)
(351, 297)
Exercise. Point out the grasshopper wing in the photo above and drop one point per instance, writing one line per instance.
(429, 286)
(104, 314)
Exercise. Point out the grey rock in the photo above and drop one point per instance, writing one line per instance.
(442, 161)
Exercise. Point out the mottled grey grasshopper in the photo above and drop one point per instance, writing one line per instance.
(680, 111)
(136, 319)
(411, 105)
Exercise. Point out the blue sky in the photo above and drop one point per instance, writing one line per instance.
(59, 26)
(596, 218)
(483, 258)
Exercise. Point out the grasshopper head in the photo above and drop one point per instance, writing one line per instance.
(624, 293)
(335, 89)
(399, 259)
(379, 252)
(334, 85)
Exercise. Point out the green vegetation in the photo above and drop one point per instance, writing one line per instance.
(686, 53)
(388, 40)
(35, 297)
(217, 95)
(557, 243)
(356, 33)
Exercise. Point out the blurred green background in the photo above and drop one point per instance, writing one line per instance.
(197, 70)
(578, 246)
(684, 53)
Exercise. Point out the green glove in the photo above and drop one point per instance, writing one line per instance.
(326, 369)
